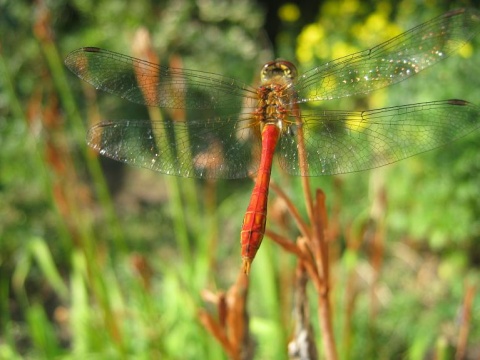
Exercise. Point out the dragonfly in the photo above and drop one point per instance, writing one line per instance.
(234, 130)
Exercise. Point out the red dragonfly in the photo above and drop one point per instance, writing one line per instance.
(233, 129)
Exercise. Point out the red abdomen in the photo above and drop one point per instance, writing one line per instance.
(255, 218)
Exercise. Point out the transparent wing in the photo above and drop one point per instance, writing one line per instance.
(146, 83)
(392, 61)
(212, 148)
(342, 141)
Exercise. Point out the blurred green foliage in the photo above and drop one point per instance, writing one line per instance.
(111, 264)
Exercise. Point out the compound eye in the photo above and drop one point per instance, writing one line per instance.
(278, 68)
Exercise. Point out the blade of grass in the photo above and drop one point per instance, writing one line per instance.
(42, 333)
(143, 49)
(57, 69)
(36, 148)
(41, 253)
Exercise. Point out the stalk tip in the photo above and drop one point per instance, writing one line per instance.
(246, 263)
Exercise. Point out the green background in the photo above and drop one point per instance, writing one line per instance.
(102, 260)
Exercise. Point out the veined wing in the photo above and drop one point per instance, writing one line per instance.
(392, 61)
(347, 141)
(146, 83)
(212, 148)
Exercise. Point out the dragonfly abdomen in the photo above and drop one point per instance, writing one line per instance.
(255, 218)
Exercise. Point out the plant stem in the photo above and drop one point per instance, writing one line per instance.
(317, 243)
(58, 74)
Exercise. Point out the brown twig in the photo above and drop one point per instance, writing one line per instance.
(285, 243)
(465, 322)
(302, 226)
(317, 245)
(323, 265)
(303, 163)
(230, 327)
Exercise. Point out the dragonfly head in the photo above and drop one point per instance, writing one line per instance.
(278, 70)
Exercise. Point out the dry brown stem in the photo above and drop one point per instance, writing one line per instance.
(230, 326)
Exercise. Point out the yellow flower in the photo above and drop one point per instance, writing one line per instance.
(308, 40)
(289, 12)
(466, 51)
(341, 49)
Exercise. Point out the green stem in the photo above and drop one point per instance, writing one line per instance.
(37, 147)
(93, 165)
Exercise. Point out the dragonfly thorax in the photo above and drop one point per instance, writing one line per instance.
(275, 93)
(272, 104)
